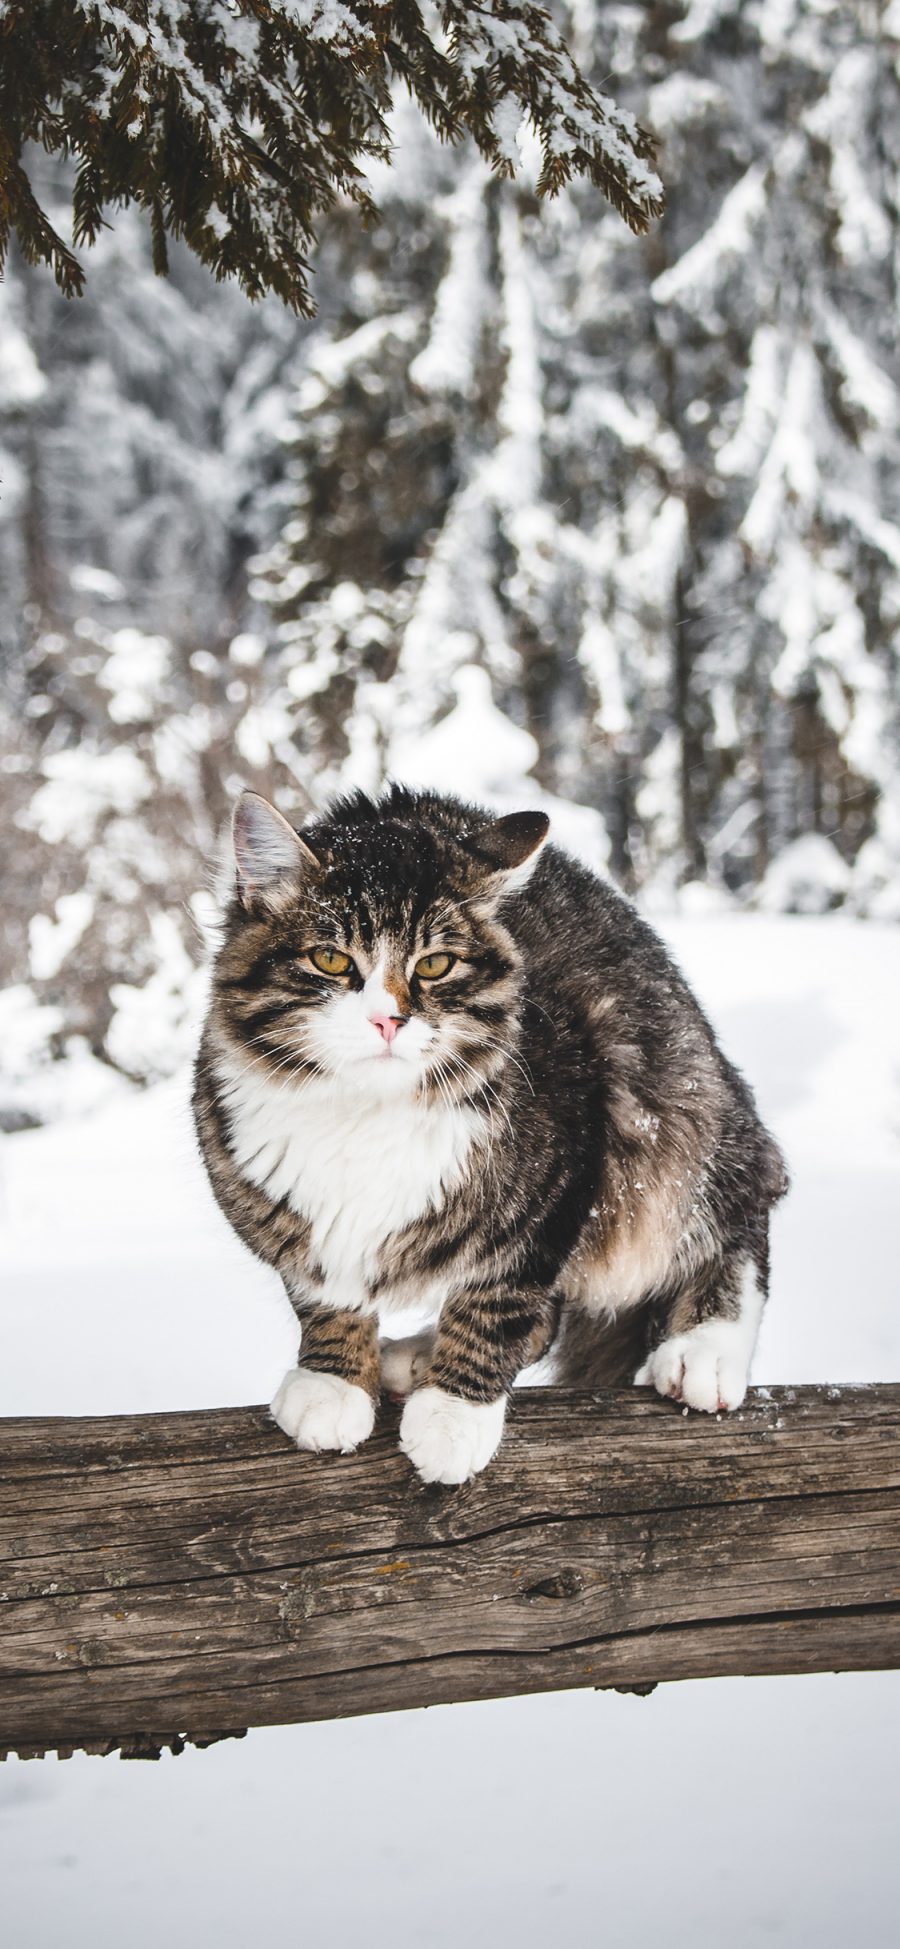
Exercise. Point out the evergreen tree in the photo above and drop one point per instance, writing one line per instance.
(616, 516)
(236, 125)
(651, 481)
(780, 316)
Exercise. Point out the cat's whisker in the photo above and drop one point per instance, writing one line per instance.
(445, 1078)
(285, 1067)
(483, 1086)
(444, 1089)
(282, 1053)
(509, 1055)
(487, 1088)
(291, 1066)
(460, 1063)
(279, 1049)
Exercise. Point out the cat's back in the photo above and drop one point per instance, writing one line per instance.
(579, 931)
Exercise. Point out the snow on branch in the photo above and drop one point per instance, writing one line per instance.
(236, 125)
(690, 281)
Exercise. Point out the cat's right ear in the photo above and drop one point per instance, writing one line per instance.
(270, 857)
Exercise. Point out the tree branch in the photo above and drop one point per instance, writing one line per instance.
(185, 1576)
(236, 128)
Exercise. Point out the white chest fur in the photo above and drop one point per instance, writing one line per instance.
(358, 1166)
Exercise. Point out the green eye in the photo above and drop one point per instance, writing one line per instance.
(432, 966)
(330, 960)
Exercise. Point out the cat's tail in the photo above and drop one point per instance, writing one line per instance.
(607, 1352)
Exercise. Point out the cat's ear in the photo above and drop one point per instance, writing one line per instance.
(507, 851)
(269, 855)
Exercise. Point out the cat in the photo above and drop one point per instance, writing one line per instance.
(445, 1065)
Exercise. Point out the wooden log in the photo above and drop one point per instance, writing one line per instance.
(179, 1577)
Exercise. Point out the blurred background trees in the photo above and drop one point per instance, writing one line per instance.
(623, 513)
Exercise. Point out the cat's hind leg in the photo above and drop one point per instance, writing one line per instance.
(710, 1336)
(405, 1362)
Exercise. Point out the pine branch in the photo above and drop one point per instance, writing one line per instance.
(237, 123)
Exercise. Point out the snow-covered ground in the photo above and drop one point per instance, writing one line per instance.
(739, 1811)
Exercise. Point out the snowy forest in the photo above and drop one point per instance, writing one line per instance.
(532, 507)
(518, 502)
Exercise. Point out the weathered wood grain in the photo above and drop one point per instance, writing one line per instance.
(185, 1576)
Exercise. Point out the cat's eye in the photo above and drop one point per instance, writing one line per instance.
(330, 960)
(432, 966)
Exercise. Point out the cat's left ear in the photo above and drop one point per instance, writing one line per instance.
(508, 849)
(270, 857)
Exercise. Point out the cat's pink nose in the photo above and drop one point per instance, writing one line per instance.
(387, 1025)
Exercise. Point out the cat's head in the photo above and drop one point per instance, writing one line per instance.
(372, 948)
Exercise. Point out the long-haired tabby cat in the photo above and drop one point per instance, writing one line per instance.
(446, 1066)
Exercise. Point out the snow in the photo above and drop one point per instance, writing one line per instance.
(636, 427)
(82, 786)
(246, 649)
(692, 279)
(680, 99)
(446, 361)
(789, 468)
(876, 884)
(51, 941)
(35, 1086)
(478, 753)
(86, 579)
(808, 877)
(154, 1022)
(331, 359)
(701, 17)
(744, 449)
(21, 379)
(863, 231)
(125, 1291)
(656, 799)
(325, 20)
(290, 1824)
(135, 668)
(26, 1029)
(517, 461)
(475, 751)
(599, 652)
(508, 119)
(865, 386)
(216, 221)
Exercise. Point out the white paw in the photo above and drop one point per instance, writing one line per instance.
(706, 1368)
(404, 1362)
(448, 1440)
(323, 1411)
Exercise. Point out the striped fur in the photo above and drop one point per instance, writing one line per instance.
(550, 1152)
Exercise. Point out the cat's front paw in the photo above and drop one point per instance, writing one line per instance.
(322, 1411)
(405, 1362)
(449, 1440)
(707, 1367)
